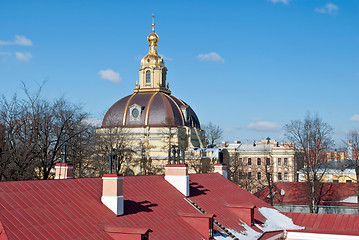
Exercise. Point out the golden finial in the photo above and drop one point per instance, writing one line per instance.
(168, 86)
(136, 84)
(153, 22)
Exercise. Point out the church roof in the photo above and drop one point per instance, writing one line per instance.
(155, 109)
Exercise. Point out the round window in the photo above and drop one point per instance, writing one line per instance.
(135, 113)
(148, 60)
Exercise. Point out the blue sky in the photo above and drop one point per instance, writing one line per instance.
(248, 66)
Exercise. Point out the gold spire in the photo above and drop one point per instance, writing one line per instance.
(153, 22)
(153, 38)
(152, 59)
(153, 70)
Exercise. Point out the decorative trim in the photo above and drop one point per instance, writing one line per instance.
(126, 108)
(148, 108)
(179, 109)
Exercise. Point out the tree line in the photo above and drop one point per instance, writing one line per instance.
(33, 132)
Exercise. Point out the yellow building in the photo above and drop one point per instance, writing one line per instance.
(333, 171)
(251, 163)
(151, 120)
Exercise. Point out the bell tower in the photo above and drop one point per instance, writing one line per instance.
(152, 74)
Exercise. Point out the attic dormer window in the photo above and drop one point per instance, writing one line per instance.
(148, 77)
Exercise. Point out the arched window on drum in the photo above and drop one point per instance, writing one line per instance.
(148, 77)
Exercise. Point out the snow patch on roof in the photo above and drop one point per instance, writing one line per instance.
(247, 234)
(277, 221)
(351, 199)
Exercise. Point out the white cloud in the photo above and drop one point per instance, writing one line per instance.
(19, 40)
(264, 126)
(329, 8)
(166, 58)
(211, 57)
(110, 75)
(355, 118)
(23, 56)
(280, 1)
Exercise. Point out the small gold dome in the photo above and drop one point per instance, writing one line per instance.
(153, 37)
(151, 60)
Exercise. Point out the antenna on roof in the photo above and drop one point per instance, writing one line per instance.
(64, 160)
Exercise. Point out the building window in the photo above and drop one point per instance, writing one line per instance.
(268, 161)
(249, 176)
(279, 162)
(148, 77)
(249, 161)
(335, 180)
(280, 176)
(163, 78)
(285, 176)
(240, 161)
(286, 162)
(259, 175)
(258, 161)
(349, 180)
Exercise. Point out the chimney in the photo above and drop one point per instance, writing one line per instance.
(177, 175)
(243, 212)
(221, 168)
(112, 192)
(123, 233)
(202, 222)
(63, 170)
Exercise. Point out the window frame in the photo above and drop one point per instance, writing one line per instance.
(148, 77)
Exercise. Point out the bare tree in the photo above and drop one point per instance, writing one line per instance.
(34, 132)
(113, 140)
(213, 133)
(311, 138)
(19, 148)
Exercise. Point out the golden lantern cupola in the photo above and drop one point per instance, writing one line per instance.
(153, 71)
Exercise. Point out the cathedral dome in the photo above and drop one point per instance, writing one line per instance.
(151, 104)
(152, 109)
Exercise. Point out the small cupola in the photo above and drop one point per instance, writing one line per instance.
(152, 74)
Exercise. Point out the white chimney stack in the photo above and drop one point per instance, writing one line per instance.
(221, 168)
(177, 175)
(112, 192)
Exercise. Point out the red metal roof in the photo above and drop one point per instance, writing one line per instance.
(295, 193)
(212, 194)
(342, 224)
(72, 208)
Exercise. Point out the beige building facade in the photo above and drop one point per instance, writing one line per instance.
(256, 160)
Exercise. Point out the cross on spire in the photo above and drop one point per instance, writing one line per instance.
(153, 22)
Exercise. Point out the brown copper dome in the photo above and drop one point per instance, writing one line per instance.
(153, 109)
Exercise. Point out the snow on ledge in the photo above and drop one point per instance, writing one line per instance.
(277, 221)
